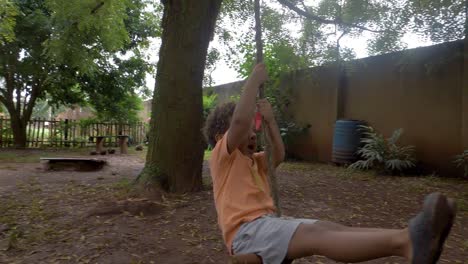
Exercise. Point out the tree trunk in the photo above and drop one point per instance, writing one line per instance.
(19, 131)
(175, 154)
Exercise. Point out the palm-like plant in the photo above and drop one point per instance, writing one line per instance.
(383, 155)
(462, 161)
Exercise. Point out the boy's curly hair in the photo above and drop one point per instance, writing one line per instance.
(218, 121)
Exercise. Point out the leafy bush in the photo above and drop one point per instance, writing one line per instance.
(384, 155)
(209, 102)
(291, 130)
(462, 161)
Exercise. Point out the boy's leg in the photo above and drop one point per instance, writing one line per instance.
(348, 246)
(331, 226)
(426, 236)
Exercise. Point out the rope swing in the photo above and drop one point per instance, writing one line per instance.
(252, 258)
(261, 94)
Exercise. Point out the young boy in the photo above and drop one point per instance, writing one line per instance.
(245, 208)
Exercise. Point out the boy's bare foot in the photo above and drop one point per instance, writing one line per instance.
(429, 229)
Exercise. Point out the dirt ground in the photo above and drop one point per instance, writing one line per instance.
(95, 217)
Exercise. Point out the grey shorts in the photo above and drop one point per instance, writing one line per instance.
(267, 237)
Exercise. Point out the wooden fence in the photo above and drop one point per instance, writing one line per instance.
(72, 133)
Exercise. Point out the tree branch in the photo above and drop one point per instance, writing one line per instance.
(3, 100)
(4, 92)
(25, 102)
(9, 105)
(8, 83)
(18, 99)
(311, 16)
(93, 11)
(97, 7)
(35, 92)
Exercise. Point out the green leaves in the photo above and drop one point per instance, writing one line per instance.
(209, 102)
(85, 30)
(382, 154)
(113, 90)
(69, 52)
(386, 43)
(318, 41)
(8, 13)
(461, 161)
(440, 20)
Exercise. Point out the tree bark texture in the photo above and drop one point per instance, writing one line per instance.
(175, 154)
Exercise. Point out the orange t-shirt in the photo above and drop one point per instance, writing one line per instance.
(240, 188)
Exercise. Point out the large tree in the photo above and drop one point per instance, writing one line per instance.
(62, 50)
(175, 153)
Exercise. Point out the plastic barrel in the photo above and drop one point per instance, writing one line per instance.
(346, 141)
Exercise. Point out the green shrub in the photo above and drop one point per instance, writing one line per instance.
(384, 155)
(209, 102)
(289, 131)
(462, 161)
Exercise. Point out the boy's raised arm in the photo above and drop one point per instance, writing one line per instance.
(277, 146)
(243, 114)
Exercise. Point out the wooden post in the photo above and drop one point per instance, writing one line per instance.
(67, 144)
(464, 92)
(123, 140)
(54, 133)
(99, 144)
(82, 134)
(36, 133)
(140, 133)
(72, 130)
(1, 132)
(28, 132)
(43, 130)
(33, 132)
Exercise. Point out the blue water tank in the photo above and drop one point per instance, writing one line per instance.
(346, 141)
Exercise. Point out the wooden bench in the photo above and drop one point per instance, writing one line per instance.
(123, 140)
(79, 164)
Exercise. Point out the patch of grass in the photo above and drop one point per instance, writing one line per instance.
(33, 155)
(140, 154)
(40, 233)
(6, 217)
(300, 166)
(207, 155)
(465, 244)
(207, 182)
(123, 188)
(322, 168)
(27, 216)
(123, 183)
(29, 187)
(8, 167)
(13, 237)
(462, 206)
(15, 158)
(455, 188)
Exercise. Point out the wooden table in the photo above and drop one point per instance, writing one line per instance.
(123, 140)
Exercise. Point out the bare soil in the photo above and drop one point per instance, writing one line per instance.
(97, 217)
